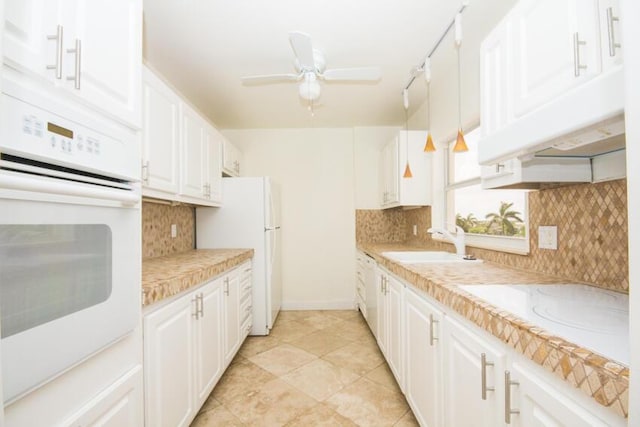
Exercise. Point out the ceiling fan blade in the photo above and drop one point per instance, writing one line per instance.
(303, 49)
(361, 73)
(271, 78)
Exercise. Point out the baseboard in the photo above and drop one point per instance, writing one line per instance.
(319, 305)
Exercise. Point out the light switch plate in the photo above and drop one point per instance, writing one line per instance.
(415, 230)
(174, 231)
(548, 237)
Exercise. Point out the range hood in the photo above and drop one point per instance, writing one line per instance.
(587, 121)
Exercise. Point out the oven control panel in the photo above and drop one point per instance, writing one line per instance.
(68, 139)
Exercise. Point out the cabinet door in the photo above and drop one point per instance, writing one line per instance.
(547, 58)
(463, 383)
(610, 33)
(168, 355)
(213, 156)
(209, 333)
(26, 44)
(391, 173)
(395, 351)
(192, 149)
(232, 315)
(110, 33)
(423, 349)
(541, 404)
(382, 313)
(231, 157)
(160, 136)
(495, 79)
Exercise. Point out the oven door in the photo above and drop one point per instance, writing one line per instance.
(69, 277)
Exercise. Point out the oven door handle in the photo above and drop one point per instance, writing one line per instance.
(59, 187)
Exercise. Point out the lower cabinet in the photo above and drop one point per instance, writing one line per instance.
(455, 374)
(473, 369)
(423, 356)
(188, 343)
(390, 330)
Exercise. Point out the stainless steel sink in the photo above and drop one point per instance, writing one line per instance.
(430, 257)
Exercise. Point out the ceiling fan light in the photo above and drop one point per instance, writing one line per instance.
(461, 145)
(310, 88)
(429, 146)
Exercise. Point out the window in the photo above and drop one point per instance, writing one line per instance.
(492, 219)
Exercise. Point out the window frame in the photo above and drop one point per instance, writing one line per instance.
(510, 244)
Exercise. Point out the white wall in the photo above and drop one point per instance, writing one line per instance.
(631, 37)
(315, 169)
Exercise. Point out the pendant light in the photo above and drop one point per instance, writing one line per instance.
(405, 100)
(461, 145)
(428, 146)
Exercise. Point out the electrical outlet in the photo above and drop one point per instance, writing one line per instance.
(415, 230)
(548, 237)
(174, 231)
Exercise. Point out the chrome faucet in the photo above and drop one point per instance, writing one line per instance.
(457, 240)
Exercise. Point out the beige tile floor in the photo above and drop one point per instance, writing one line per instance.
(316, 368)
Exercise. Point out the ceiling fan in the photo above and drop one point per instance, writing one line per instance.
(310, 68)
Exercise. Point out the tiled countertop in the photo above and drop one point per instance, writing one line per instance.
(605, 380)
(165, 276)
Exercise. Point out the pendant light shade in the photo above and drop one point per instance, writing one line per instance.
(461, 145)
(429, 147)
(405, 102)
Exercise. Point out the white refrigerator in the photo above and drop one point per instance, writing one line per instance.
(249, 218)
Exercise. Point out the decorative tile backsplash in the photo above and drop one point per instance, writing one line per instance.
(592, 233)
(156, 229)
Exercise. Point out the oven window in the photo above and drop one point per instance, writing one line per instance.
(51, 271)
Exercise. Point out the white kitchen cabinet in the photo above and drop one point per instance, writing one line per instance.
(390, 173)
(169, 364)
(540, 403)
(473, 378)
(232, 159)
(360, 284)
(182, 151)
(441, 360)
(246, 300)
(423, 350)
(160, 136)
(188, 342)
(192, 154)
(91, 54)
(552, 62)
(209, 331)
(397, 190)
(232, 317)
(610, 33)
(212, 168)
(555, 48)
(390, 330)
(120, 405)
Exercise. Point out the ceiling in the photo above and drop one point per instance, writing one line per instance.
(204, 47)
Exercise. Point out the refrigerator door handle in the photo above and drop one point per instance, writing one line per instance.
(271, 228)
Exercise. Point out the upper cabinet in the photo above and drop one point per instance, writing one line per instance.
(91, 54)
(232, 159)
(395, 189)
(549, 70)
(181, 150)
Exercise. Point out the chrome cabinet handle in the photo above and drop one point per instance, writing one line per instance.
(195, 314)
(201, 304)
(508, 411)
(432, 337)
(226, 286)
(145, 172)
(576, 54)
(483, 374)
(58, 65)
(381, 284)
(78, 51)
(611, 32)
